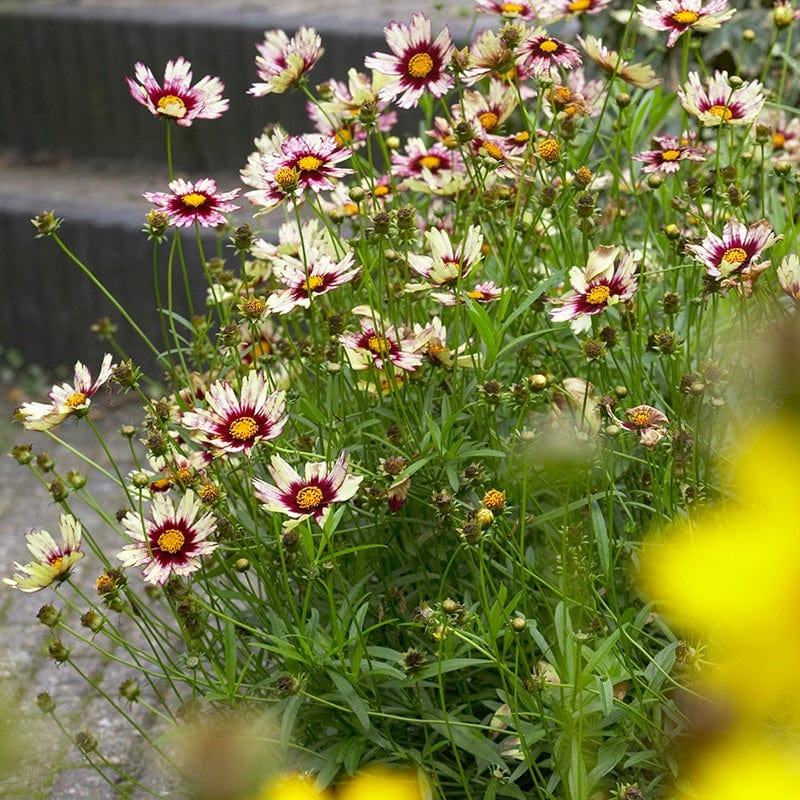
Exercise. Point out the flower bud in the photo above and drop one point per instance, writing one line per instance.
(22, 453)
(45, 702)
(46, 224)
(48, 615)
(92, 620)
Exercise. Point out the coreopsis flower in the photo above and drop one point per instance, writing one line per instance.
(309, 495)
(491, 55)
(317, 277)
(52, 562)
(491, 109)
(708, 578)
(171, 541)
(570, 8)
(679, 16)
(785, 134)
(607, 279)
(736, 251)
(377, 345)
(446, 263)
(540, 54)
(341, 113)
(178, 99)
(235, 422)
(789, 276)
(292, 786)
(671, 150)
(67, 400)
(386, 783)
(647, 421)
(282, 62)
(200, 202)
(575, 98)
(419, 160)
(720, 104)
(450, 295)
(639, 75)
(416, 65)
(519, 9)
(293, 165)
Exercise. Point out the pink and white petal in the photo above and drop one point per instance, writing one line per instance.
(283, 473)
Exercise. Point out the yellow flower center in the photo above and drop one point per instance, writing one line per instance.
(723, 112)
(171, 106)
(488, 119)
(243, 428)
(184, 475)
(430, 162)
(193, 199)
(512, 9)
(261, 348)
(493, 150)
(685, 17)
(476, 294)
(670, 155)
(494, 500)
(378, 344)
(254, 306)
(549, 149)
(579, 5)
(778, 140)
(104, 584)
(209, 493)
(343, 136)
(380, 191)
(314, 282)
(309, 497)
(548, 46)
(735, 255)
(75, 400)
(640, 417)
(161, 485)
(521, 137)
(419, 65)
(285, 177)
(171, 541)
(309, 163)
(562, 95)
(57, 562)
(598, 295)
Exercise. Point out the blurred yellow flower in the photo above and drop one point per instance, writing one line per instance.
(744, 768)
(383, 784)
(731, 575)
(293, 786)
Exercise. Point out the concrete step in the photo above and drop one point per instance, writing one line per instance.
(63, 91)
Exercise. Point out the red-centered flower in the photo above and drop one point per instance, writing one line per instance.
(605, 281)
(416, 65)
(517, 9)
(302, 282)
(309, 495)
(647, 421)
(376, 346)
(418, 158)
(294, 165)
(720, 104)
(172, 541)
(736, 251)
(282, 62)
(446, 263)
(52, 561)
(785, 134)
(491, 55)
(488, 110)
(178, 99)
(570, 8)
(234, 423)
(671, 151)
(67, 400)
(541, 54)
(187, 203)
(640, 75)
(679, 16)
